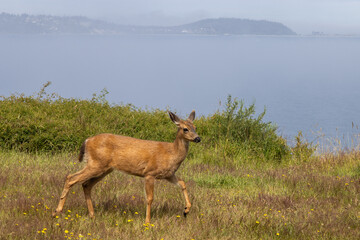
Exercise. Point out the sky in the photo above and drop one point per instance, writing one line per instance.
(302, 16)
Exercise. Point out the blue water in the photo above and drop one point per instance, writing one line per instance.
(306, 83)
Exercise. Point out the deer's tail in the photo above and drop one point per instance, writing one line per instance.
(82, 151)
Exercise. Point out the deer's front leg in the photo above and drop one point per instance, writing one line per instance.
(149, 190)
(182, 185)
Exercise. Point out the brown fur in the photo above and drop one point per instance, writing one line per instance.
(149, 159)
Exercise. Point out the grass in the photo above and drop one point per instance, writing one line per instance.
(315, 199)
(244, 181)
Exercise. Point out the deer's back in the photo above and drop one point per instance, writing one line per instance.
(134, 156)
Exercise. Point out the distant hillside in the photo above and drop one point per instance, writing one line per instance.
(236, 26)
(43, 24)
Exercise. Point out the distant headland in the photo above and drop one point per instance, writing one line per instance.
(44, 24)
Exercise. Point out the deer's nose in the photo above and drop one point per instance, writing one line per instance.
(197, 139)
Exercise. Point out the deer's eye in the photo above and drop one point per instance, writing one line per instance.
(185, 130)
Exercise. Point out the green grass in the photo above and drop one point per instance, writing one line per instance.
(308, 200)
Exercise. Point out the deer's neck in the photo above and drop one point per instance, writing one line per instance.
(181, 147)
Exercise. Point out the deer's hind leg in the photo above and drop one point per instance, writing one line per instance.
(80, 176)
(87, 186)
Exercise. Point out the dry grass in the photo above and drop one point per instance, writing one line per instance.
(316, 199)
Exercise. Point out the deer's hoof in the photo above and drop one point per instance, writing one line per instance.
(185, 212)
(54, 214)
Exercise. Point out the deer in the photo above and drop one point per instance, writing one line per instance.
(148, 159)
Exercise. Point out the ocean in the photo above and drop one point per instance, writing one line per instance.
(308, 84)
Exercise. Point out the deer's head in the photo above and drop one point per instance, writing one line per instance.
(186, 127)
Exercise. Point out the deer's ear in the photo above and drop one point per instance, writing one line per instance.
(174, 118)
(192, 115)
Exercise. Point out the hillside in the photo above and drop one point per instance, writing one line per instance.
(236, 26)
(43, 24)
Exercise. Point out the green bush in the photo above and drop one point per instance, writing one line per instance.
(302, 149)
(237, 131)
(50, 123)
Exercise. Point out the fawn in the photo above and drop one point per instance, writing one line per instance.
(148, 159)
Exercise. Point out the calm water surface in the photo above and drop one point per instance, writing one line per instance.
(308, 84)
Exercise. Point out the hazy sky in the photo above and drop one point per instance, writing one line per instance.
(303, 16)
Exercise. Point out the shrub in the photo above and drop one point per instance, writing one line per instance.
(50, 123)
(302, 149)
(238, 131)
